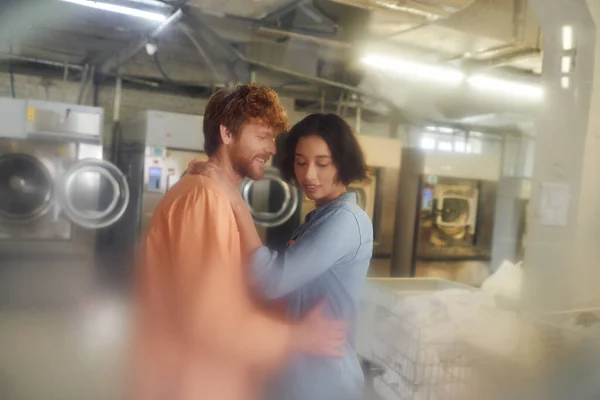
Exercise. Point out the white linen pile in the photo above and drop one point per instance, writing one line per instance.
(427, 343)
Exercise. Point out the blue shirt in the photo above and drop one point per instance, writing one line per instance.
(327, 258)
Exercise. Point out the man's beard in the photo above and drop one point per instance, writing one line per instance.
(243, 166)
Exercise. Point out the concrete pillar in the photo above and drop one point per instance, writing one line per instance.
(562, 259)
(512, 195)
(511, 204)
(407, 206)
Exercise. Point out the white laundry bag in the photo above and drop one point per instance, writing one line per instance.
(506, 282)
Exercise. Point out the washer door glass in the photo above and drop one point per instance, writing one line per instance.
(454, 211)
(26, 187)
(95, 194)
(250, 192)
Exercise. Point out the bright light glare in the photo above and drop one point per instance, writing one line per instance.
(446, 130)
(567, 37)
(565, 64)
(415, 70)
(490, 83)
(445, 146)
(427, 143)
(565, 82)
(104, 324)
(460, 146)
(119, 9)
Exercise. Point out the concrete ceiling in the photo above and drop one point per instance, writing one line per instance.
(319, 38)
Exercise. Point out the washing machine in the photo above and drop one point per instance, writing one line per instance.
(57, 194)
(365, 195)
(274, 205)
(260, 194)
(455, 214)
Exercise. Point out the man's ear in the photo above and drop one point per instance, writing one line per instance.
(226, 135)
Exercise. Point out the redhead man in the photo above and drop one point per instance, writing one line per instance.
(199, 332)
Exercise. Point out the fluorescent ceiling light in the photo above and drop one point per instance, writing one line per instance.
(565, 64)
(134, 12)
(502, 85)
(565, 82)
(446, 130)
(442, 74)
(415, 70)
(567, 37)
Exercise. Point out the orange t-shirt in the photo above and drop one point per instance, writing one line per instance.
(199, 334)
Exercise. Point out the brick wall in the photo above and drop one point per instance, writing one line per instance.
(134, 100)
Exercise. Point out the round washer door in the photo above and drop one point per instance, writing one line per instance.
(26, 188)
(286, 210)
(94, 194)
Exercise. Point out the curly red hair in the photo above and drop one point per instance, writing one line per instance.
(234, 108)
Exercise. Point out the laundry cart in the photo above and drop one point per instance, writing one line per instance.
(454, 342)
(381, 297)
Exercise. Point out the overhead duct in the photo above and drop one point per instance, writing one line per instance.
(240, 8)
(353, 24)
(429, 100)
(424, 10)
(491, 31)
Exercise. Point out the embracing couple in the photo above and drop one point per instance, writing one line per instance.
(219, 316)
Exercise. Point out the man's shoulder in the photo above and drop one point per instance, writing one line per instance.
(192, 189)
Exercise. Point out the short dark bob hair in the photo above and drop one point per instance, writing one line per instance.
(346, 152)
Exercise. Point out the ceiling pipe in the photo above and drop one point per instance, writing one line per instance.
(65, 67)
(85, 84)
(273, 17)
(510, 49)
(285, 9)
(515, 55)
(305, 37)
(284, 71)
(39, 61)
(317, 80)
(427, 15)
(84, 80)
(187, 31)
(132, 49)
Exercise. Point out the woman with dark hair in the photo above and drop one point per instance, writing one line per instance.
(326, 258)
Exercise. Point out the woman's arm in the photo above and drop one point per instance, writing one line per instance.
(334, 238)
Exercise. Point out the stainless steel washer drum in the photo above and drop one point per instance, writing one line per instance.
(95, 194)
(26, 188)
(288, 206)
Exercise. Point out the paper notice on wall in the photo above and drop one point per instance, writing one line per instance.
(555, 198)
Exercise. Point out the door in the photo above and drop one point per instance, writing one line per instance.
(94, 194)
(255, 191)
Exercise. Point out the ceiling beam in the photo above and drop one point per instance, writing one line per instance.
(206, 30)
(285, 9)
